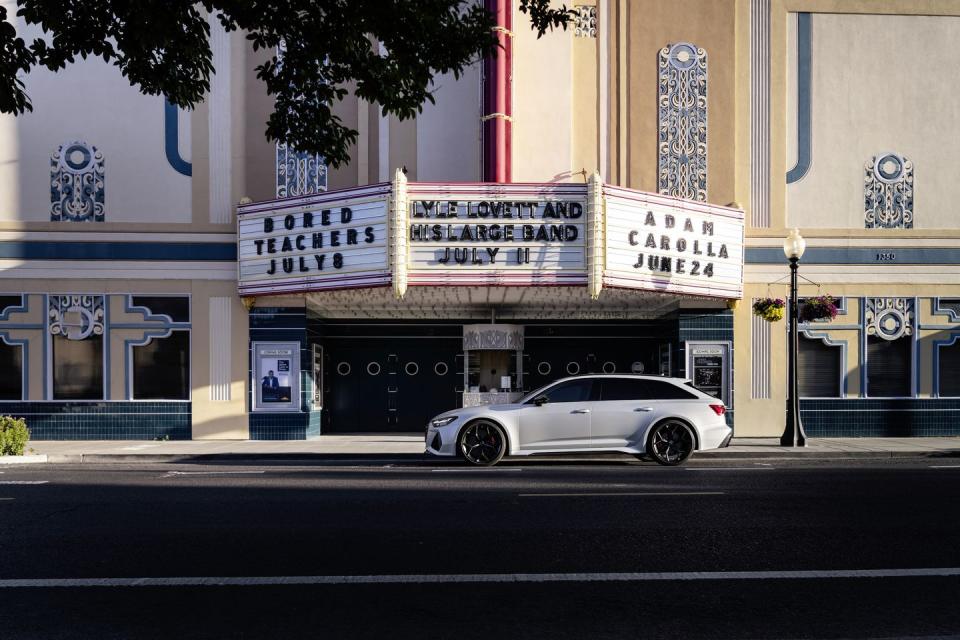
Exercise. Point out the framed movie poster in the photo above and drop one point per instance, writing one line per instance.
(276, 376)
(708, 366)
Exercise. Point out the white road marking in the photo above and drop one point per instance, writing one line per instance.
(24, 481)
(139, 447)
(944, 466)
(171, 474)
(730, 468)
(473, 578)
(622, 493)
(5, 499)
(475, 470)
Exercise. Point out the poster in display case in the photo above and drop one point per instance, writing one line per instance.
(707, 367)
(276, 376)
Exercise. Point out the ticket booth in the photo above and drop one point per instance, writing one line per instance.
(493, 357)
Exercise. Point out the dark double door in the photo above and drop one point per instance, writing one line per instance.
(389, 384)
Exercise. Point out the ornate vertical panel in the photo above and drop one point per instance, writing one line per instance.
(888, 192)
(585, 21)
(299, 173)
(760, 113)
(75, 317)
(77, 191)
(889, 318)
(682, 113)
(760, 358)
(220, 348)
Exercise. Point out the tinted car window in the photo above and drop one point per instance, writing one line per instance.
(623, 389)
(613, 389)
(573, 391)
(660, 390)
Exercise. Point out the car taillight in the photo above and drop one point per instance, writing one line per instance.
(718, 409)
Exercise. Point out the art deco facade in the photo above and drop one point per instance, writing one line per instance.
(165, 273)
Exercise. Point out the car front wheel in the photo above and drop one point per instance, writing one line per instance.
(482, 443)
(671, 442)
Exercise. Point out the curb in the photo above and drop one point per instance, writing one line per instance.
(34, 459)
(360, 458)
(822, 455)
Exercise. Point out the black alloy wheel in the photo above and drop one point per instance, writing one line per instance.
(483, 443)
(671, 442)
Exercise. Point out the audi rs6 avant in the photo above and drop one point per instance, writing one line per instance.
(666, 419)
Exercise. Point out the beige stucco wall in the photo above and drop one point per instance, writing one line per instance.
(872, 92)
(586, 108)
(91, 101)
(542, 104)
(448, 132)
(644, 28)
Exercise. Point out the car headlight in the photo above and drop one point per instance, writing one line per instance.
(442, 422)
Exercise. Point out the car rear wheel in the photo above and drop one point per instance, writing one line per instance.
(482, 443)
(671, 442)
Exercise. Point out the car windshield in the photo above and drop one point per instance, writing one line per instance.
(533, 394)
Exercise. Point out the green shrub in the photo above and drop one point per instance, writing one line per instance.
(13, 436)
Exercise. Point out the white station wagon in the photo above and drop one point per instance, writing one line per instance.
(666, 419)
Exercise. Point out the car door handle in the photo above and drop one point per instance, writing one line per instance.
(580, 411)
(644, 409)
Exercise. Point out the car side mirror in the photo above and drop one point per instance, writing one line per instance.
(541, 400)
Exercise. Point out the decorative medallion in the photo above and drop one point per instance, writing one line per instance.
(682, 114)
(75, 317)
(888, 192)
(889, 318)
(585, 22)
(299, 173)
(76, 183)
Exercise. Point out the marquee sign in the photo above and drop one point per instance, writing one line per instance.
(334, 240)
(496, 234)
(435, 234)
(676, 246)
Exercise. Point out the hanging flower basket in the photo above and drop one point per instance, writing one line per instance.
(818, 308)
(770, 309)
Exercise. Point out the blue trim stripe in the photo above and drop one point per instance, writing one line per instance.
(154, 251)
(857, 255)
(804, 72)
(171, 137)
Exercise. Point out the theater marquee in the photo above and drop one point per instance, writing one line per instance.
(434, 234)
(676, 246)
(334, 240)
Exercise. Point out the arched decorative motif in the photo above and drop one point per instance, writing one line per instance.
(77, 191)
(682, 114)
(889, 318)
(75, 317)
(888, 192)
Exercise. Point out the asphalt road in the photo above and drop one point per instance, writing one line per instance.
(387, 550)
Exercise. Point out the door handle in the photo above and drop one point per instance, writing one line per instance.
(644, 409)
(580, 411)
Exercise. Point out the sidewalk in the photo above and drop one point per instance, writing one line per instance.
(372, 447)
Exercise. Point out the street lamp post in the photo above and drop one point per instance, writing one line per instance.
(793, 435)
